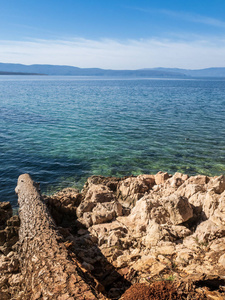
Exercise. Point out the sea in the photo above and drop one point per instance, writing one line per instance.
(63, 129)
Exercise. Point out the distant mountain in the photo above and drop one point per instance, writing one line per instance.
(75, 71)
(69, 70)
(209, 72)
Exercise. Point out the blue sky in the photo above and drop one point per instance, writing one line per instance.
(125, 34)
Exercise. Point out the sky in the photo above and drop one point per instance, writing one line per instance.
(114, 34)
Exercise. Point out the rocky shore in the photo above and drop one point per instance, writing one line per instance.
(146, 237)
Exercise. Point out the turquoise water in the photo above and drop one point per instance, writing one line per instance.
(62, 130)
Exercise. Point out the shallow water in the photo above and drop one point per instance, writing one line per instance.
(63, 129)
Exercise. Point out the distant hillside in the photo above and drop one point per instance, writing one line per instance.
(69, 70)
(19, 69)
(209, 72)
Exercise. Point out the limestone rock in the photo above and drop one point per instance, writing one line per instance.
(161, 177)
(173, 209)
(133, 188)
(222, 260)
(189, 189)
(105, 212)
(210, 204)
(85, 206)
(99, 193)
(179, 209)
(198, 180)
(208, 231)
(145, 228)
(177, 179)
(217, 184)
(218, 215)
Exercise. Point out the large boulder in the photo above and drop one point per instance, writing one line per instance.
(218, 215)
(161, 177)
(99, 193)
(177, 179)
(189, 189)
(217, 184)
(179, 209)
(210, 204)
(99, 206)
(171, 210)
(199, 180)
(133, 188)
(208, 231)
(106, 212)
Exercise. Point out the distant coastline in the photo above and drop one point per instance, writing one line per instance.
(38, 69)
(18, 73)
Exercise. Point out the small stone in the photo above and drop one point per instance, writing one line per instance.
(87, 266)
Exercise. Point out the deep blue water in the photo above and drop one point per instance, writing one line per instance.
(63, 129)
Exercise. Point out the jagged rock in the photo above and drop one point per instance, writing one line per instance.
(140, 214)
(5, 212)
(217, 184)
(146, 227)
(218, 244)
(2, 237)
(218, 215)
(173, 209)
(4, 263)
(105, 212)
(133, 188)
(87, 266)
(9, 233)
(165, 248)
(184, 256)
(178, 208)
(208, 231)
(177, 179)
(144, 263)
(14, 221)
(189, 189)
(86, 219)
(222, 260)
(154, 234)
(99, 206)
(197, 201)
(99, 193)
(85, 206)
(198, 180)
(210, 204)
(105, 233)
(161, 177)
(63, 204)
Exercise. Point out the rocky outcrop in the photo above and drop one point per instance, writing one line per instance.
(161, 233)
(168, 227)
(9, 263)
(49, 272)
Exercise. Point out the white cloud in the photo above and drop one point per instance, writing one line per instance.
(196, 18)
(190, 17)
(112, 54)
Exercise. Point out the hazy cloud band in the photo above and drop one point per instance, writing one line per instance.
(112, 54)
